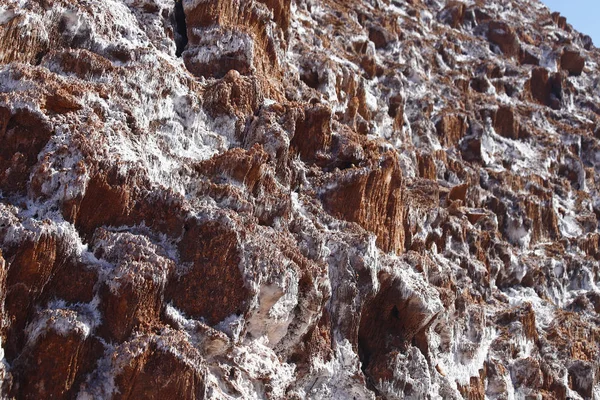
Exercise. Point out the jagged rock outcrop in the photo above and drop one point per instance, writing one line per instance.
(298, 199)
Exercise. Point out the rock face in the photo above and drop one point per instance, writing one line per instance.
(269, 199)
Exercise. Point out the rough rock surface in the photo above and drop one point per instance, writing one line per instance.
(322, 199)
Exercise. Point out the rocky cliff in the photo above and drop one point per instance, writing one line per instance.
(306, 199)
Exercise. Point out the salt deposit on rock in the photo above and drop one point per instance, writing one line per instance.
(361, 199)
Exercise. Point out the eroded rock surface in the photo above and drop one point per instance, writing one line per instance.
(270, 199)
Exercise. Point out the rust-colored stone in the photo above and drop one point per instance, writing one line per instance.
(235, 95)
(58, 355)
(559, 20)
(459, 192)
(80, 62)
(132, 295)
(572, 61)
(159, 367)
(3, 274)
(546, 89)
(372, 197)
(23, 134)
(215, 287)
(451, 128)
(502, 35)
(313, 133)
(115, 201)
(393, 320)
(475, 390)
(30, 268)
(427, 168)
(506, 123)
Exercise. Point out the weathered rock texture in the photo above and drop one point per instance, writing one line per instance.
(305, 199)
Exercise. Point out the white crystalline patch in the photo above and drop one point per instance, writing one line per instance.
(64, 181)
(6, 15)
(73, 23)
(371, 101)
(164, 152)
(115, 25)
(259, 363)
(544, 310)
(548, 59)
(216, 42)
(233, 326)
(10, 83)
(457, 370)
(335, 379)
(409, 369)
(63, 321)
(564, 208)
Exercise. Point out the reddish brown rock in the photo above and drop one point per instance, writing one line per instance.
(506, 123)
(58, 355)
(526, 316)
(234, 95)
(125, 200)
(157, 367)
(20, 42)
(23, 134)
(471, 149)
(279, 241)
(427, 168)
(451, 128)
(496, 374)
(526, 372)
(396, 111)
(591, 245)
(104, 193)
(371, 197)
(502, 35)
(480, 84)
(369, 65)
(545, 220)
(546, 89)
(248, 168)
(380, 37)
(72, 281)
(215, 287)
(61, 102)
(30, 268)
(132, 294)
(3, 273)
(572, 61)
(281, 13)
(475, 390)
(225, 35)
(527, 57)
(80, 62)
(559, 20)
(421, 200)
(391, 312)
(349, 149)
(315, 342)
(241, 166)
(458, 192)
(312, 137)
(393, 320)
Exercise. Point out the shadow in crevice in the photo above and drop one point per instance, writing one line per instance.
(181, 37)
